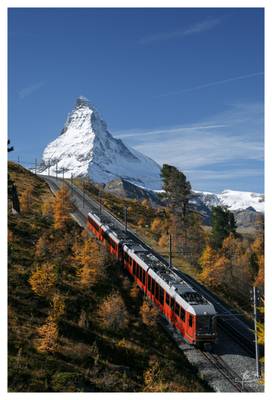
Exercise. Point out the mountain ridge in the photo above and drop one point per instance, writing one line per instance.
(85, 147)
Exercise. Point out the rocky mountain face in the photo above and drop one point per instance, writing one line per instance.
(123, 188)
(85, 147)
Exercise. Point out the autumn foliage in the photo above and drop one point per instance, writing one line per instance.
(43, 280)
(89, 259)
(26, 200)
(62, 208)
(149, 313)
(112, 312)
(48, 336)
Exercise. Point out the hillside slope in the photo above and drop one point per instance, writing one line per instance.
(57, 337)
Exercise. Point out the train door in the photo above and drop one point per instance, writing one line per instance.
(190, 326)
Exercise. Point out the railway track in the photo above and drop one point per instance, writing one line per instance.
(229, 374)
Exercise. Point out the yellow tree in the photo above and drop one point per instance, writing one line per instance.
(48, 333)
(42, 247)
(26, 200)
(89, 259)
(207, 262)
(260, 277)
(163, 241)
(153, 377)
(156, 225)
(43, 280)
(58, 306)
(47, 207)
(62, 208)
(149, 314)
(134, 292)
(112, 312)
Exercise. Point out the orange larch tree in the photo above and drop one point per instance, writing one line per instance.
(62, 208)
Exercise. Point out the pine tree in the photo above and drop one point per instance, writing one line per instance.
(177, 189)
(223, 223)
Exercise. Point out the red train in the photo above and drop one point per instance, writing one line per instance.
(186, 309)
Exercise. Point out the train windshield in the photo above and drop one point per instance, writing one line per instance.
(204, 324)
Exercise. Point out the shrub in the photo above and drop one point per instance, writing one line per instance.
(113, 313)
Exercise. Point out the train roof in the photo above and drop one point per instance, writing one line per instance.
(186, 296)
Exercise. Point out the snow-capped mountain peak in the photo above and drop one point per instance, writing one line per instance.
(232, 199)
(86, 148)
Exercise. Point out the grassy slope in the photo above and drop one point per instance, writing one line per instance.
(87, 359)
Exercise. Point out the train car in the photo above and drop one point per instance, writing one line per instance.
(186, 309)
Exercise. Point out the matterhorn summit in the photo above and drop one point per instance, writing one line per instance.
(86, 148)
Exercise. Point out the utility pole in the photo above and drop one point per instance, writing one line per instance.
(18, 160)
(83, 197)
(48, 170)
(256, 332)
(72, 183)
(125, 213)
(35, 166)
(170, 251)
(62, 174)
(56, 170)
(100, 204)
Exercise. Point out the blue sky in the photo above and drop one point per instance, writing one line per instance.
(184, 86)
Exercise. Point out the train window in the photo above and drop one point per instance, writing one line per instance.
(161, 295)
(177, 308)
(172, 303)
(149, 279)
(190, 320)
(203, 324)
(167, 299)
(182, 314)
(143, 276)
(153, 286)
(156, 291)
(134, 268)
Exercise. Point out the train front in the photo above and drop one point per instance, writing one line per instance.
(205, 323)
(204, 318)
